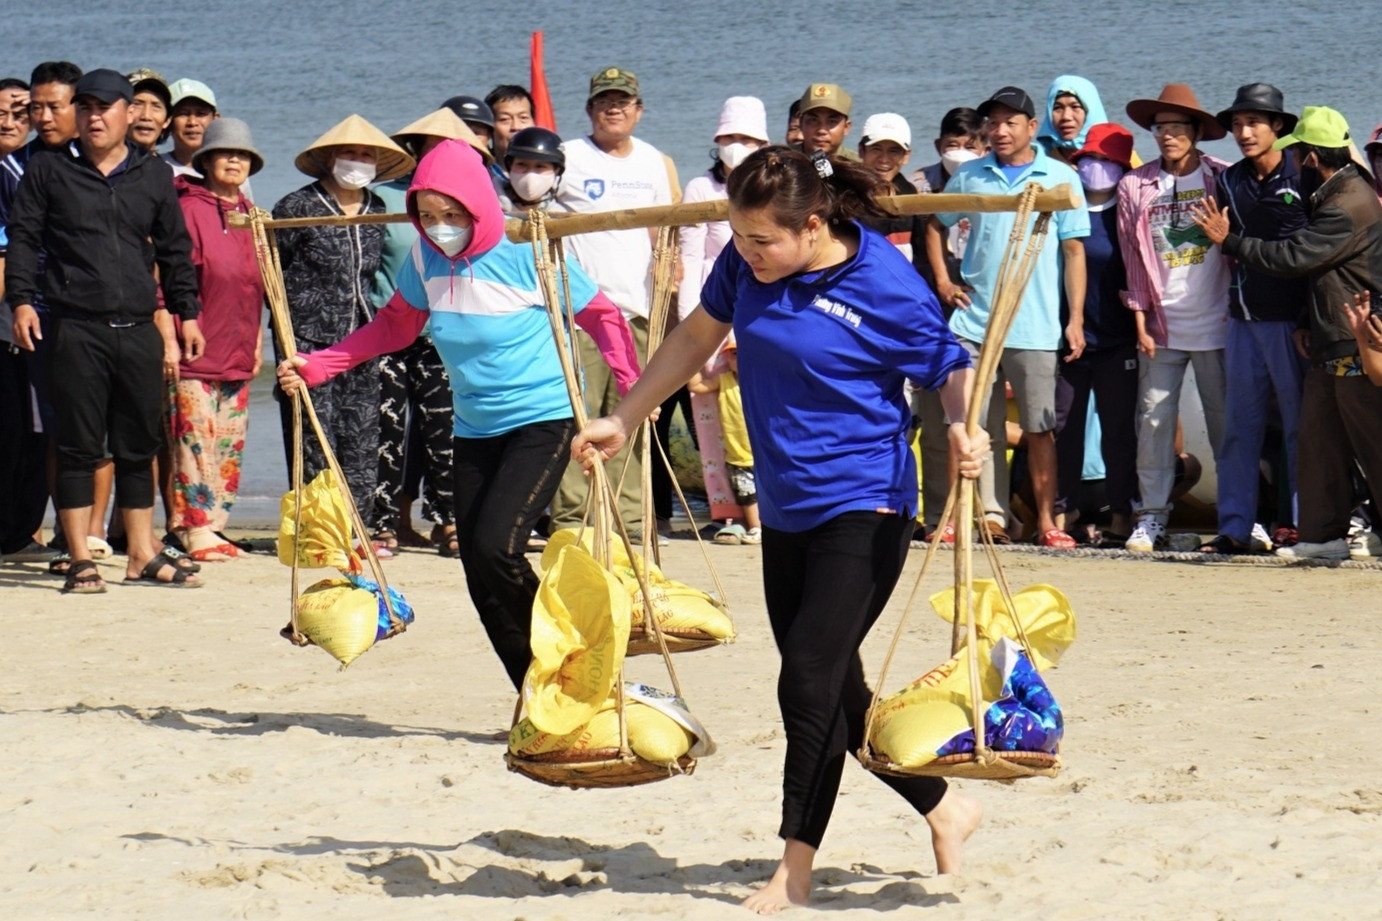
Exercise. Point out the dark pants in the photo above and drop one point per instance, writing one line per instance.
(107, 390)
(23, 456)
(1340, 423)
(1112, 377)
(503, 485)
(824, 589)
(348, 407)
(661, 476)
(413, 384)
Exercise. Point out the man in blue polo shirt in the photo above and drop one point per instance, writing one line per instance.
(1262, 196)
(1030, 353)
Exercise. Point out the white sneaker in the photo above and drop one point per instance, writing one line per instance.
(1260, 539)
(752, 536)
(1365, 545)
(1336, 549)
(1149, 535)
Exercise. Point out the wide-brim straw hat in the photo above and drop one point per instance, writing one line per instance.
(228, 134)
(444, 124)
(391, 161)
(1181, 99)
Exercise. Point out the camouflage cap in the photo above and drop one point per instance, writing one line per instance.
(613, 79)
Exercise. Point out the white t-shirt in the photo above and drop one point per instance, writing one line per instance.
(1195, 275)
(618, 260)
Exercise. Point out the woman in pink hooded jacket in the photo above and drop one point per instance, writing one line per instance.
(513, 419)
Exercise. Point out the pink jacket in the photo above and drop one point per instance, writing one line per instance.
(1137, 191)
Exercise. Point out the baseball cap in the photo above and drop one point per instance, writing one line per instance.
(1012, 97)
(1110, 141)
(191, 89)
(887, 126)
(104, 84)
(613, 79)
(826, 96)
(151, 81)
(1319, 126)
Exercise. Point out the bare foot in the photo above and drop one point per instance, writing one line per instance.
(953, 820)
(790, 886)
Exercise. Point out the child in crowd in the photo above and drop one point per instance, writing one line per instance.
(738, 453)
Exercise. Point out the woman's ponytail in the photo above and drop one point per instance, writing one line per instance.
(794, 186)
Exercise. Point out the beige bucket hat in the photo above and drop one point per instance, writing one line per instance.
(391, 160)
(442, 123)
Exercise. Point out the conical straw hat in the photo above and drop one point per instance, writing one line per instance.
(391, 161)
(442, 123)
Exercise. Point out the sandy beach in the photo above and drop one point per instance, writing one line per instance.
(168, 756)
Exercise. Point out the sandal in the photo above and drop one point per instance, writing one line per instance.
(450, 544)
(1227, 546)
(536, 543)
(61, 564)
(996, 533)
(410, 538)
(148, 576)
(220, 553)
(385, 539)
(1056, 539)
(98, 548)
(181, 560)
(83, 578)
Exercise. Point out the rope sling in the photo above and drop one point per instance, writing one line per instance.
(271, 271)
(983, 763)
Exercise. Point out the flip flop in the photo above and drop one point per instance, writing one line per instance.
(220, 553)
(83, 578)
(1056, 539)
(148, 576)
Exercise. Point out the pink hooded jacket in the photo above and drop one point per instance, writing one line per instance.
(454, 169)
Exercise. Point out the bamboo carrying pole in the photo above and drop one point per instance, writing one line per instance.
(1059, 198)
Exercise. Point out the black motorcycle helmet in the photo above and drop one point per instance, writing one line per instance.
(534, 143)
(471, 110)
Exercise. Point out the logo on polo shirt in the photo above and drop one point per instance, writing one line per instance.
(836, 309)
(595, 188)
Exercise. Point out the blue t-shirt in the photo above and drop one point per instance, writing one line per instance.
(822, 361)
(1037, 324)
(491, 329)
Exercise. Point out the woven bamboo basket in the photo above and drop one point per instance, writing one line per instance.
(605, 767)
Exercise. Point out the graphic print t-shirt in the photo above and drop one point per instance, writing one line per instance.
(1194, 273)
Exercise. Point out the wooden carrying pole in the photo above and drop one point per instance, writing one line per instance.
(1060, 198)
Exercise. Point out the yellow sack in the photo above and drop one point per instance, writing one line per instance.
(339, 617)
(325, 539)
(1044, 611)
(681, 609)
(653, 735)
(913, 723)
(580, 629)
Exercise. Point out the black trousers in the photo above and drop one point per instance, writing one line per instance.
(106, 385)
(414, 395)
(503, 485)
(348, 407)
(1112, 377)
(23, 456)
(824, 589)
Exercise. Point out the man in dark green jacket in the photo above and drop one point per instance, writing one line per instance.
(105, 213)
(1340, 252)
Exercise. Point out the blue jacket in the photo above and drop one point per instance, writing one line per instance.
(1270, 209)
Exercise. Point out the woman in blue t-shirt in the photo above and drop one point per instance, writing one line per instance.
(831, 320)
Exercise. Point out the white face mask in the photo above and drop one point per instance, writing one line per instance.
(731, 155)
(533, 186)
(449, 238)
(352, 174)
(956, 157)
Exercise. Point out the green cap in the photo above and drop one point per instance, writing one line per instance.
(613, 79)
(826, 96)
(1319, 126)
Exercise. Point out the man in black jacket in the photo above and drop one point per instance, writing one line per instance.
(1340, 251)
(104, 212)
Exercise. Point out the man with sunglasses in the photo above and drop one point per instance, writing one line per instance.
(609, 170)
(1178, 287)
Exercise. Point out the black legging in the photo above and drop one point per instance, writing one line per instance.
(824, 589)
(503, 485)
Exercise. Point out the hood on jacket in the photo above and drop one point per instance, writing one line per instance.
(454, 168)
(1081, 89)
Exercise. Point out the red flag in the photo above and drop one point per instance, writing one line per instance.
(542, 102)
